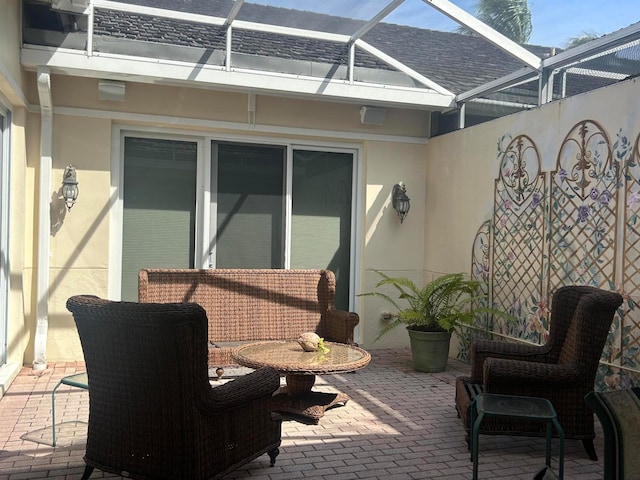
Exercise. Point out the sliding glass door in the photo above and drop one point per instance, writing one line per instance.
(263, 206)
(249, 209)
(249, 218)
(321, 215)
(159, 208)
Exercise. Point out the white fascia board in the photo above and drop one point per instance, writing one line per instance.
(508, 46)
(146, 70)
(519, 76)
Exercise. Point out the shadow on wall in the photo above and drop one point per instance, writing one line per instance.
(57, 211)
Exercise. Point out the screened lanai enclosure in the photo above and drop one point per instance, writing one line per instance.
(562, 212)
(462, 79)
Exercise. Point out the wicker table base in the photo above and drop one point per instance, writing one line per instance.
(296, 399)
(307, 407)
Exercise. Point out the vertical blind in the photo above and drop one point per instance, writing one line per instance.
(250, 206)
(159, 208)
(321, 215)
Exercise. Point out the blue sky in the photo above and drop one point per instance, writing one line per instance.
(555, 22)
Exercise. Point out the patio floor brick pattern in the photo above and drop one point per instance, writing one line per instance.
(399, 425)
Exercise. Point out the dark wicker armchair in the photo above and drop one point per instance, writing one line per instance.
(563, 370)
(152, 411)
(619, 414)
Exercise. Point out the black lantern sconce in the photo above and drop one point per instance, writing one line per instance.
(69, 187)
(400, 201)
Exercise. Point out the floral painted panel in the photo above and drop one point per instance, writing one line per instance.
(625, 336)
(584, 192)
(518, 242)
(480, 268)
(582, 229)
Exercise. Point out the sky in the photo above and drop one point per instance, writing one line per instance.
(555, 22)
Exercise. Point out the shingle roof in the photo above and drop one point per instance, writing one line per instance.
(457, 62)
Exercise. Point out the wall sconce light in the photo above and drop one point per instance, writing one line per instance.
(69, 187)
(400, 201)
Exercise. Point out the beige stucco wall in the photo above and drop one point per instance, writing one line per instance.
(462, 166)
(83, 126)
(449, 180)
(12, 99)
(396, 249)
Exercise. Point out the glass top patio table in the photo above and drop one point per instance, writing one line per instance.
(300, 369)
(289, 357)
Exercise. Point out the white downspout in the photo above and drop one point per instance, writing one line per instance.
(44, 221)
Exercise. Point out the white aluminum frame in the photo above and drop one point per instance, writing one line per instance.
(204, 211)
(5, 209)
(433, 97)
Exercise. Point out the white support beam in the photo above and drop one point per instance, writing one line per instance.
(545, 86)
(91, 13)
(294, 32)
(352, 62)
(520, 76)
(510, 47)
(402, 67)
(159, 12)
(596, 73)
(375, 20)
(234, 12)
(229, 43)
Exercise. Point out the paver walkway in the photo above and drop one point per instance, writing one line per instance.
(399, 425)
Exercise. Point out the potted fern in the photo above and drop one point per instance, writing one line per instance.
(431, 314)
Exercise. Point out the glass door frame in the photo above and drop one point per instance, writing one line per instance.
(205, 193)
(356, 188)
(208, 255)
(117, 196)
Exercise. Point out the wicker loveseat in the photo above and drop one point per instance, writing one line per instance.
(152, 411)
(245, 305)
(563, 370)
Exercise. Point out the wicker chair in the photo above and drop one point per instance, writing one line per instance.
(152, 411)
(619, 414)
(563, 370)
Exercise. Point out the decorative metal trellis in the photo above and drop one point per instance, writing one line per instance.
(540, 239)
(627, 335)
(583, 212)
(518, 243)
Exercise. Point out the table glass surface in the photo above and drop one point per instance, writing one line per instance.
(79, 380)
(520, 406)
(290, 357)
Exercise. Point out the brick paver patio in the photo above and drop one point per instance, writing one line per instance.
(399, 424)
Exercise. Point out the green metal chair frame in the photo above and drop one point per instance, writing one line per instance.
(78, 380)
